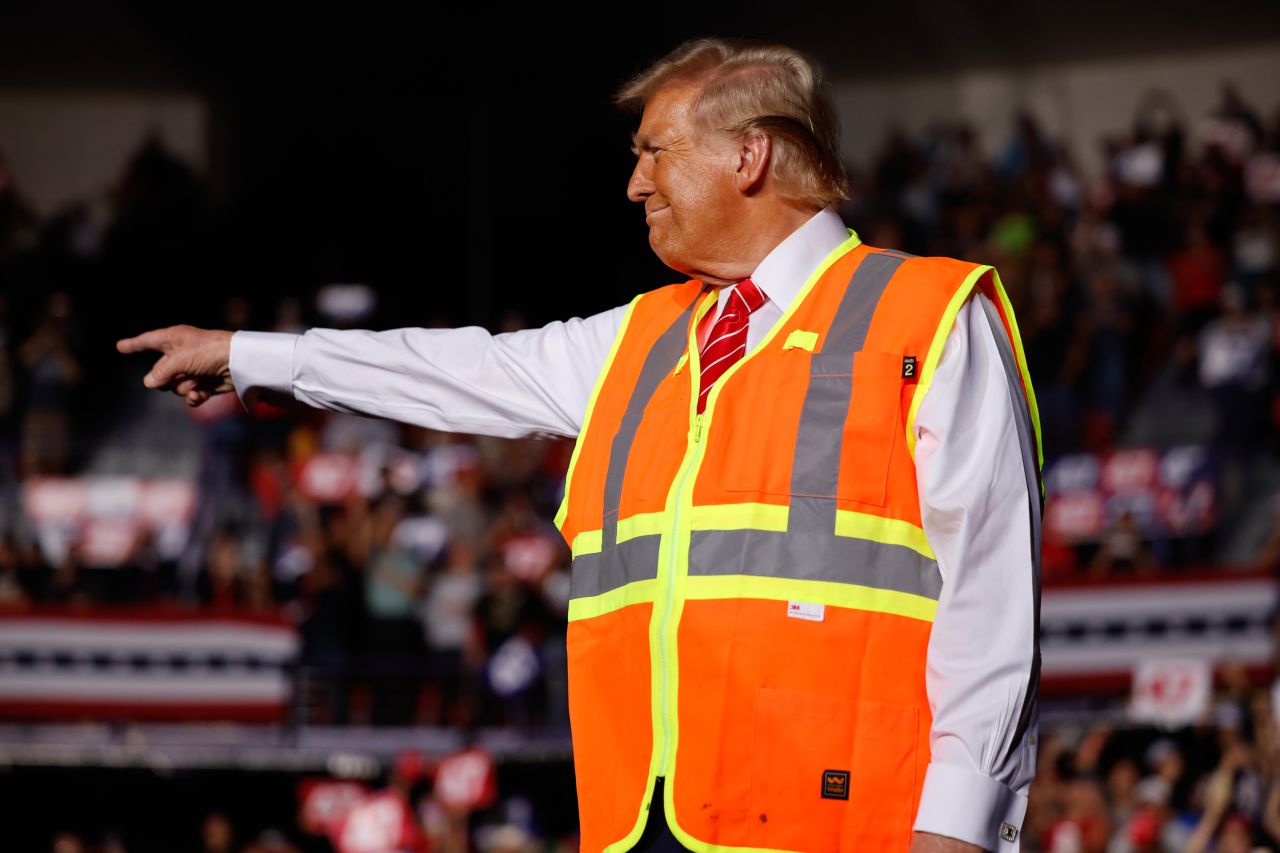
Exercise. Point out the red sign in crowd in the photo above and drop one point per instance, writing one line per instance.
(358, 820)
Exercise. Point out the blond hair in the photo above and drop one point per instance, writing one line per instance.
(753, 87)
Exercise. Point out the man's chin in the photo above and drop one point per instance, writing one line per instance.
(672, 260)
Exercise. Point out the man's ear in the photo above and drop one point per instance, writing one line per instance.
(754, 155)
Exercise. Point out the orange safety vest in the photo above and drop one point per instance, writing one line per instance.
(752, 591)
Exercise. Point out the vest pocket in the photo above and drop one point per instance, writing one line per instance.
(829, 773)
(846, 427)
(836, 413)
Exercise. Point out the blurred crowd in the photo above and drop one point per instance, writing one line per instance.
(1161, 269)
(1212, 786)
(434, 592)
(434, 589)
(1146, 295)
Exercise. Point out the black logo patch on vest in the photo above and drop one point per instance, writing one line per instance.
(835, 784)
(908, 367)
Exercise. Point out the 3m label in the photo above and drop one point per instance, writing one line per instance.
(835, 784)
(805, 610)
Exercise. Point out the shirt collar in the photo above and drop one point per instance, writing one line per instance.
(785, 269)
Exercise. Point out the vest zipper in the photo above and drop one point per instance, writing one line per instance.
(691, 463)
(680, 546)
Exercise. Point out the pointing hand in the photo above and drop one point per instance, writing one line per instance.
(195, 365)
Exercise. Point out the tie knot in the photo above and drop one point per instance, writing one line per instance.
(750, 294)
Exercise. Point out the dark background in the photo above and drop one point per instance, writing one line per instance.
(468, 164)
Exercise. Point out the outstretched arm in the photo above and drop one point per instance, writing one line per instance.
(530, 382)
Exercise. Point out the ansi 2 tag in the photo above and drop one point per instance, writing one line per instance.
(908, 367)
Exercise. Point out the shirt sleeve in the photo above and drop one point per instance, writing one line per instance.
(976, 471)
(530, 382)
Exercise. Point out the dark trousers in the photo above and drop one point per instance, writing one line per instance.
(657, 837)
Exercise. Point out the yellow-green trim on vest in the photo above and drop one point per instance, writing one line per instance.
(852, 596)
(752, 539)
(707, 587)
(935, 352)
(640, 592)
(591, 406)
(643, 524)
(788, 557)
(761, 516)
(1006, 308)
(939, 341)
(892, 531)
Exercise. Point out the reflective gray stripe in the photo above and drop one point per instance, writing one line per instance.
(660, 361)
(816, 470)
(849, 328)
(1030, 467)
(633, 560)
(813, 556)
(616, 565)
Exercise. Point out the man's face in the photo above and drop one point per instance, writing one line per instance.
(684, 176)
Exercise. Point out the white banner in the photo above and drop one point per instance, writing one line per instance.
(1171, 692)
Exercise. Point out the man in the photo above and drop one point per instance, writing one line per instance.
(803, 505)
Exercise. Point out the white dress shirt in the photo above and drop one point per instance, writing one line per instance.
(977, 506)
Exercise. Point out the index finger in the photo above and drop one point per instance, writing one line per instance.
(156, 339)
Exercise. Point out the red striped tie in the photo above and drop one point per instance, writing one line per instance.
(727, 341)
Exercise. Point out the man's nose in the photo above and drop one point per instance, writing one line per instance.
(639, 187)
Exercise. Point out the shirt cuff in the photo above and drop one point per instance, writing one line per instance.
(959, 803)
(262, 361)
